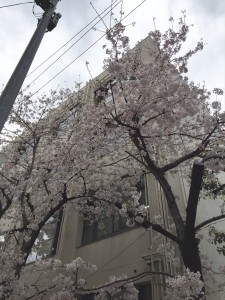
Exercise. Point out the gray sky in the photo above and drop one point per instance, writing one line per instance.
(17, 25)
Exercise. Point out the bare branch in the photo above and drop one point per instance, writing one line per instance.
(154, 117)
(130, 279)
(212, 157)
(160, 229)
(178, 161)
(134, 157)
(211, 220)
(156, 227)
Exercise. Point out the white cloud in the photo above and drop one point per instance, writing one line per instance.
(18, 24)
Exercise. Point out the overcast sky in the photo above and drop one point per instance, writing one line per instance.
(18, 23)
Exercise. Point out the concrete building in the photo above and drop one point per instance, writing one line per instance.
(117, 249)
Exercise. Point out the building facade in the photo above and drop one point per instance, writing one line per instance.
(117, 249)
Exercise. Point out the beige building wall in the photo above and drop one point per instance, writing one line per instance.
(131, 251)
(134, 251)
(211, 259)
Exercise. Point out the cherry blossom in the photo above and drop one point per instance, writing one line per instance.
(68, 150)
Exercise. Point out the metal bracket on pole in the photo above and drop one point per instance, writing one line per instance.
(45, 4)
(53, 21)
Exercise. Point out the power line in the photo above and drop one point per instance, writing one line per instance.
(67, 48)
(83, 52)
(74, 37)
(15, 4)
(68, 65)
(118, 254)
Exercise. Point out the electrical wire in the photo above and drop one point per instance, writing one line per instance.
(37, 15)
(118, 254)
(73, 37)
(67, 49)
(15, 4)
(67, 66)
(82, 53)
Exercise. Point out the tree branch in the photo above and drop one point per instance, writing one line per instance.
(154, 117)
(211, 220)
(210, 134)
(148, 224)
(156, 171)
(212, 157)
(176, 163)
(133, 278)
(135, 158)
(193, 154)
(196, 185)
(156, 227)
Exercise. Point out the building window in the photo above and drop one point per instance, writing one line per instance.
(144, 292)
(93, 231)
(141, 188)
(64, 123)
(103, 228)
(104, 92)
(47, 241)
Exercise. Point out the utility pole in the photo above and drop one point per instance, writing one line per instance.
(46, 23)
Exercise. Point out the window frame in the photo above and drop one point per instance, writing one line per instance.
(93, 226)
(53, 241)
(105, 92)
(95, 230)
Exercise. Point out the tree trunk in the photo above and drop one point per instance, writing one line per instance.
(190, 254)
(191, 258)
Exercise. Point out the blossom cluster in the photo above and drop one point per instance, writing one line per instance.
(184, 287)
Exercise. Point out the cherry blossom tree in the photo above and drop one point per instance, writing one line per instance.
(74, 149)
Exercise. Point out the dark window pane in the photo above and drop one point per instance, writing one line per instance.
(111, 224)
(46, 243)
(145, 292)
(119, 223)
(105, 227)
(56, 233)
(87, 234)
(141, 189)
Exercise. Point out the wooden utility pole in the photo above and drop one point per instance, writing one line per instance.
(47, 23)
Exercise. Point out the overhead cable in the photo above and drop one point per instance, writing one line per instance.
(118, 254)
(83, 52)
(67, 49)
(72, 38)
(15, 4)
(68, 65)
